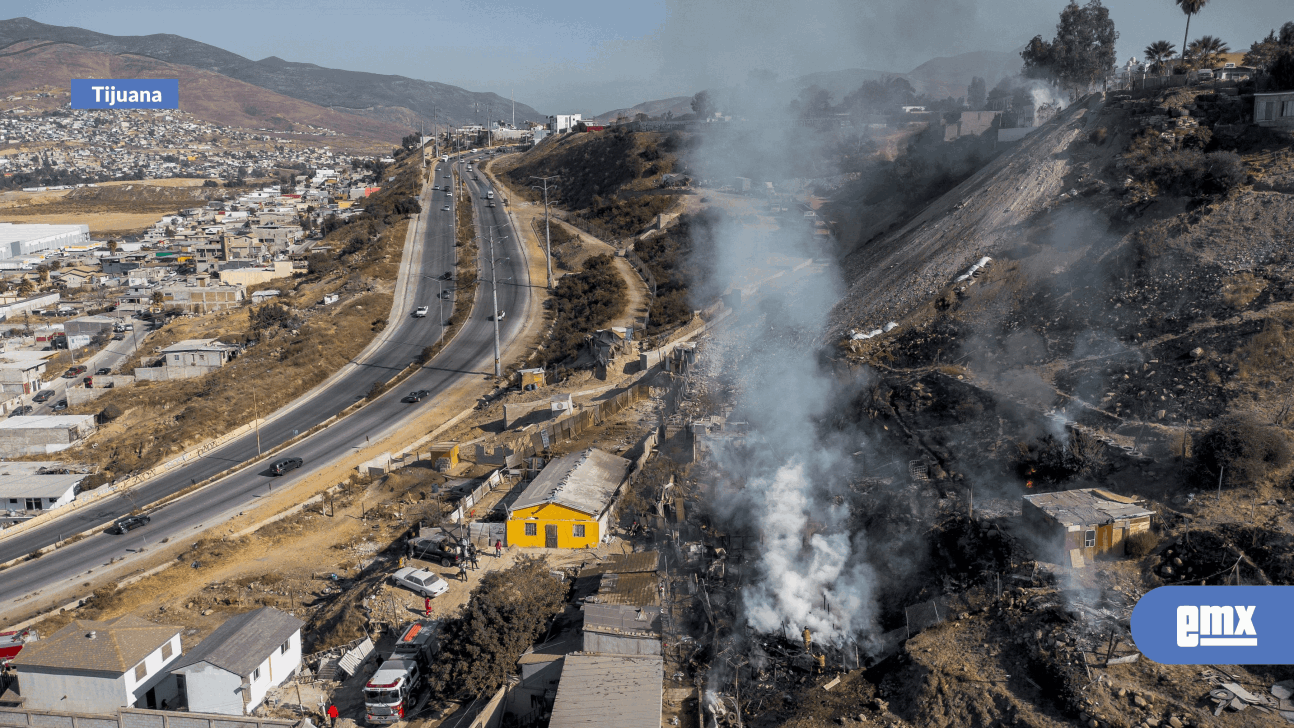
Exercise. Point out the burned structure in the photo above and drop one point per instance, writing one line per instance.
(1083, 523)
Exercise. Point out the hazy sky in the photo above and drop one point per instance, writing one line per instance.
(590, 57)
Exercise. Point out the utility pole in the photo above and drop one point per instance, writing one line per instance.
(494, 292)
(548, 242)
(257, 417)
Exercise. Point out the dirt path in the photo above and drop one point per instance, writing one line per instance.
(636, 307)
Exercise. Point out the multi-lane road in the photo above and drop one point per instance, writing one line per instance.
(469, 354)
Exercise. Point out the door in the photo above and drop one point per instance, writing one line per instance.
(550, 536)
(150, 699)
(1104, 537)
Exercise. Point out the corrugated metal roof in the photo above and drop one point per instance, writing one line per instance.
(117, 646)
(243, 642)
(622, 619)
(609, 690)
(635, 589)
(640, 562)
(1085, 507)
(583, 481)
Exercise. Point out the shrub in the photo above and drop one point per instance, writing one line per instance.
(504, 616)
(583, 303)
(1098, 135)
(1247, 449)
(1187, 171)
(1282, 71)
(1140, 544)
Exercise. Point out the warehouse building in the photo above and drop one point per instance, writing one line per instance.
(18, 240)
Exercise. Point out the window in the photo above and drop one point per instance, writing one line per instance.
(33, 504)
(1287, 108)
(284, 648)
(532, 529)
(1268, 111)
(176, 357)
(141, 671)
(167, 651)
(1089, 539)
(578, 530)
(256, 674)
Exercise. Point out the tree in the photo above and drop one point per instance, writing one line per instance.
(701, 104)
(1287, 35)
(1082, 52)
(1205, 51)
(1158, 53)
(1190, 7)
(112, 246)
(1282, 71)
(976, 93)
(1263, 53)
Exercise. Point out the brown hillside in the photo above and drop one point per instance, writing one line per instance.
(206, 95)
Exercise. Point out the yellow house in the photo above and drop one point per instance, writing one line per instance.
(569, 504)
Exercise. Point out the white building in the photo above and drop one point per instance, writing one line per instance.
(563, 122)
(98, 667)
(41, 434)
(17, 240)
(26, 491)
(232, 669)
(23, 372)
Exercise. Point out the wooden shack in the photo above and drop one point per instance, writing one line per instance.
(1084, 523)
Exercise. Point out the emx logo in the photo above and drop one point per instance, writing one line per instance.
(1195, 625)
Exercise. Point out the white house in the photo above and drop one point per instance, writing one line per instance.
(25, 491)
(232, 669)
(563, 122)
(98, 667)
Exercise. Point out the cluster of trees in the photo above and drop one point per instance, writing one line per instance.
(1082, 53)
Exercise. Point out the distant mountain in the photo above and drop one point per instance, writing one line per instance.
(209, 96)
(400, 100)
(839, 83)
(950, 76)
(678, 104)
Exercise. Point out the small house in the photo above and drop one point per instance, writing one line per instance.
(198, 353)
(631, 688)
(622, 629)
(232, 669)
(27, 489)
(569, 504)
(98, 667)
(1083, 523)
(1274, 110)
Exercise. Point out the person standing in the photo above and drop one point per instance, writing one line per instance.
(332, 715)
(426, 605)
(498, 548)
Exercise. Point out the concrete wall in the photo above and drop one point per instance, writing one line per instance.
(78, 693)
(80, 395)
(167, 373)
(17, 440)
(252, 276)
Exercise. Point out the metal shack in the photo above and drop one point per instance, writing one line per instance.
(1085, 522)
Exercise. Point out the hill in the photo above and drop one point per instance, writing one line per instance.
(949, 76)
(679, 105)
(390, 98)
(207, 95)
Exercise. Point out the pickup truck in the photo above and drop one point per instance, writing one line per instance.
(422, 582)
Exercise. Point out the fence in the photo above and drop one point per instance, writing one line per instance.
(471, 499)
(135, 718)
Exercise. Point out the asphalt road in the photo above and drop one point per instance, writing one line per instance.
(470, 354)
(110, 356)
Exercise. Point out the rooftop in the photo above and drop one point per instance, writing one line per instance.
(640, 562)
(1087, 506)
(33, 422)
(197, 345)
(243, 642)
(37, 486)
(114, 645)
(622, 619)
(599, 690)
(584, 481)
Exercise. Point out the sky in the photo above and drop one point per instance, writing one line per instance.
(582, 56)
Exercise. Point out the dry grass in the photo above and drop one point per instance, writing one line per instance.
(1240, 290)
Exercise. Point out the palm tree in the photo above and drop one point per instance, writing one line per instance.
(1157, 53)
(1204, 50)
(1190, 7)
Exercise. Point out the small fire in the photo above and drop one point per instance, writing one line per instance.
(1028, 483)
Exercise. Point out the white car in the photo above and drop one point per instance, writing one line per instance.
(445, 208)
(420, 581)
(420, 312)
(499, 316)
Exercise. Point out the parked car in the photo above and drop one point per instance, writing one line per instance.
(20, 411)
(43, 395)
(445, 553)
(118, 337)
(129, 523)
(420, 312)
(60, 405)
(420, 581)
(102, 371)
(283, 466)
(74, 372)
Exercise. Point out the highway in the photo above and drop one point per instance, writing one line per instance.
(470, 354)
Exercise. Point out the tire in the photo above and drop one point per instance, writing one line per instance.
(445, 563)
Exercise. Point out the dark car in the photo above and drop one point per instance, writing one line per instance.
(129, 523)
(43, 395)
(20, 411)
(102, 371)
(74, 372)
(60, 405)
(285, 465)
(445, 553)
(416, 396)
(119, 337)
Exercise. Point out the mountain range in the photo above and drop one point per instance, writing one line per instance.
(397, 100)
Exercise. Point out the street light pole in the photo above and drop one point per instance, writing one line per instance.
(548, 242)
(494, 293)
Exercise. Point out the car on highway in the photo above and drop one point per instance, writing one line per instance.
(60, 405)
(445, 208)
(416, 396)
(449, 194)
(498, 316)
(43, 395)
(129, 523)
(283, 466)
(422, 582)
(102, 371)
(20, 411)
(491, 204)
(420, 312)
(447, 275)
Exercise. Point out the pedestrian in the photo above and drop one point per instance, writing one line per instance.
(498, 548)
(332, 715)
(426, 605)
(462, 572)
